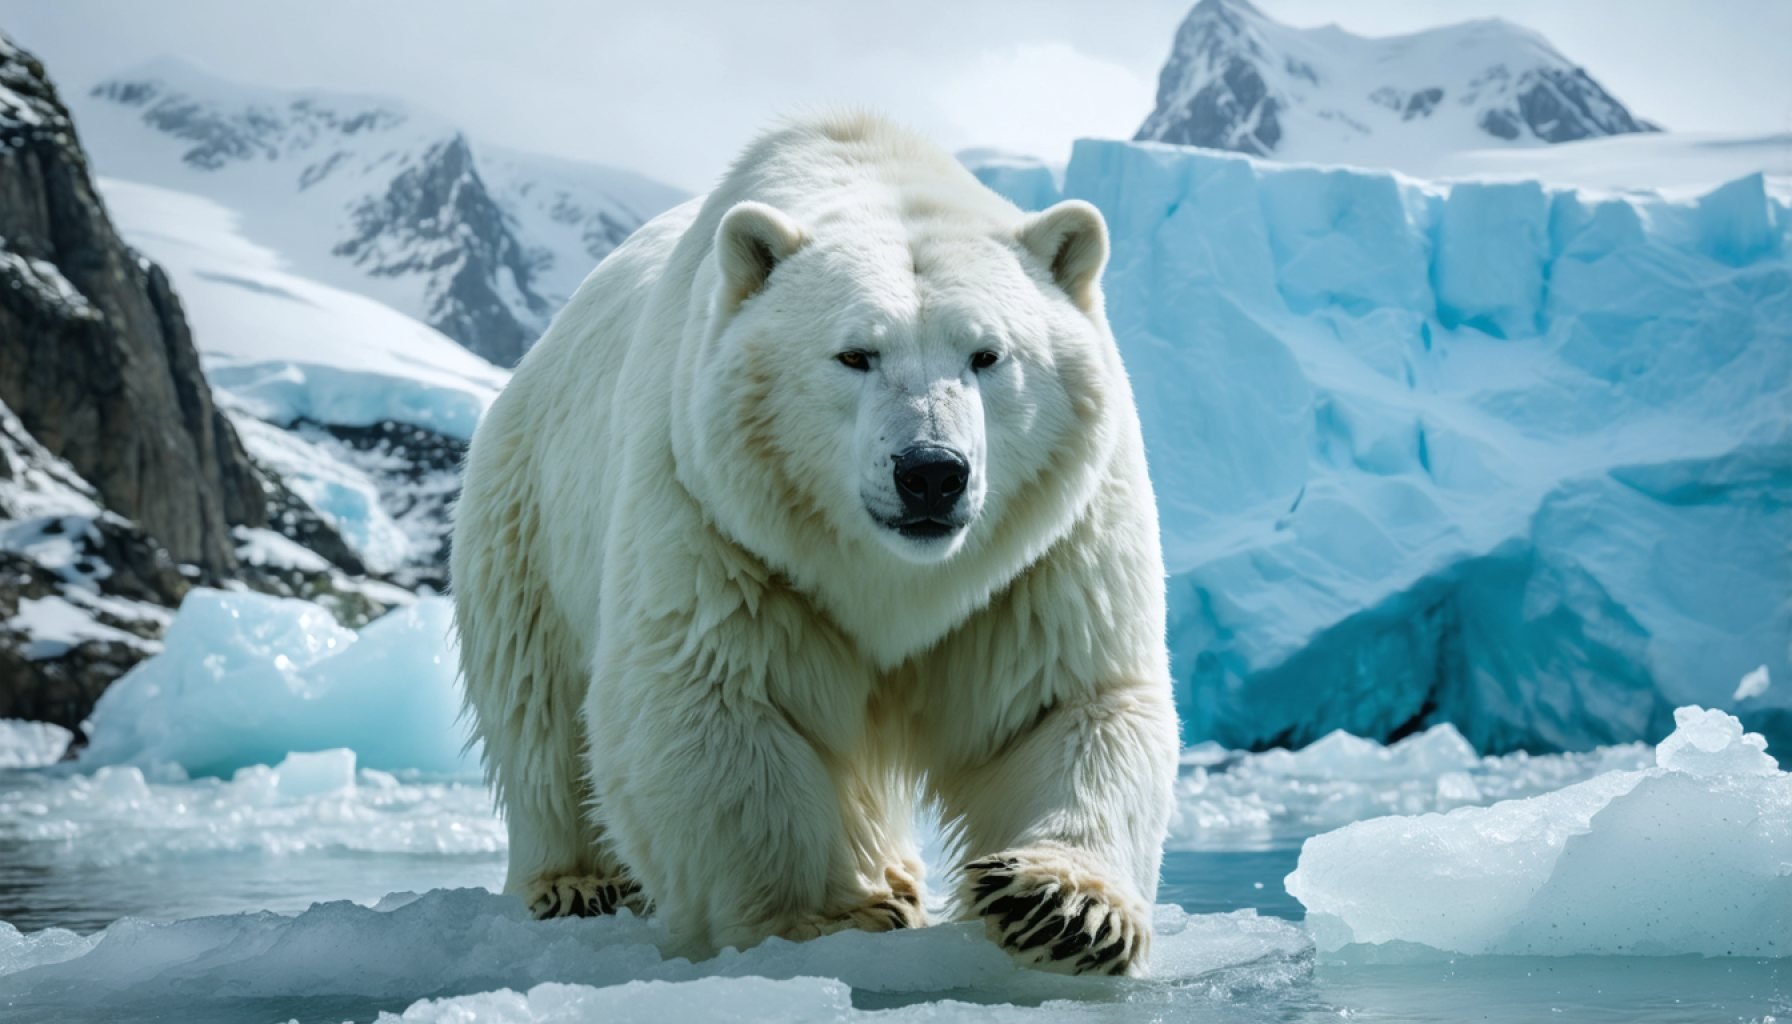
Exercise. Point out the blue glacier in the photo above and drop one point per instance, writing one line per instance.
(1504, 455)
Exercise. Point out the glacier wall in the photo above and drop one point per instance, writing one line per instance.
(1509, 456)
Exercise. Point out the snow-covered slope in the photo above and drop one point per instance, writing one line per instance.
(1237, 79)
(361, 410)
(1499, 454)
(366, 194)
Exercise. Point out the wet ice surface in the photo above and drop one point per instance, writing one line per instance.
(81, 851)
(194, 865)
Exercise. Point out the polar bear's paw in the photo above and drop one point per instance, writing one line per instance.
(896, 906)
(1052, 908)
(584, 896)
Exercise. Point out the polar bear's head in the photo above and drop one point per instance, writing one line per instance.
(917, 381)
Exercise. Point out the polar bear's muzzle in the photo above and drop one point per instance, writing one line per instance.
(931, 481)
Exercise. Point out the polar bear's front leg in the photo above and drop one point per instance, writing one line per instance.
(1066, 827)
(727, 816)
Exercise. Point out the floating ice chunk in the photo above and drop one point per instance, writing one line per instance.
(247, 679)
(1754, 684)
(30, 744)
(1688, 857)
(303, 775)
(1340, 755)
(1712, 744)
(457, 943)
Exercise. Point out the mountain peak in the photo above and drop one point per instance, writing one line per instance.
(368, 194)
(1237, 79)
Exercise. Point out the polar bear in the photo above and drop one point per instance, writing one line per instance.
(826, 494)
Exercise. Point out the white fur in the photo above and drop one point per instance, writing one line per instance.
(695, 657)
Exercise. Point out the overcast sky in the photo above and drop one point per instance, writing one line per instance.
(672, 88)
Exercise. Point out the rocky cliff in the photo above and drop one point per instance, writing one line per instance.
(122, 484)
(95, 356)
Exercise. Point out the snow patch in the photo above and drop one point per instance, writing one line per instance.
(52, 625)
(266, 548)
(31, 744)
(287, 348)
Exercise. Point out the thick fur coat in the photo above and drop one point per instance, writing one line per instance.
(712, 667)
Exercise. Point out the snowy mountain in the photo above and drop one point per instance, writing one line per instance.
(1239, 80)
(362, 411)
(366, 194)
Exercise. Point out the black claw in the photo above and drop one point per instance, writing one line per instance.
(1008, 909)
(1100, 953)
(1073, 945)
(1040, 936)
(898, 918)
(1044, 907)
(1095, 963)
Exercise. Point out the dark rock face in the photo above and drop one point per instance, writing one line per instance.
(1562, 106)
(1233, 112)
(1234, 109)
(437, 218)
(1421, 103)
(95, 355)
(1500, 124)
(121, 484)
(116, 560)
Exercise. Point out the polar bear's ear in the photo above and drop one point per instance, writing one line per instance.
(753, 239)
(1071, 239)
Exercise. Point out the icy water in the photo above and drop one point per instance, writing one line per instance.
(82, 852)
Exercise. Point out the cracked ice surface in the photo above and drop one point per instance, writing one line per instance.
(473, 951)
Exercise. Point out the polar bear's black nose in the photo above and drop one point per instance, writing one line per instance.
(930, 479)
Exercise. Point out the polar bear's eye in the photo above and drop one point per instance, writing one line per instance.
(984, 359)
(855, 359)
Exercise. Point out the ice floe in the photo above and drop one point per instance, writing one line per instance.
(1690, 856)
(246, 679)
